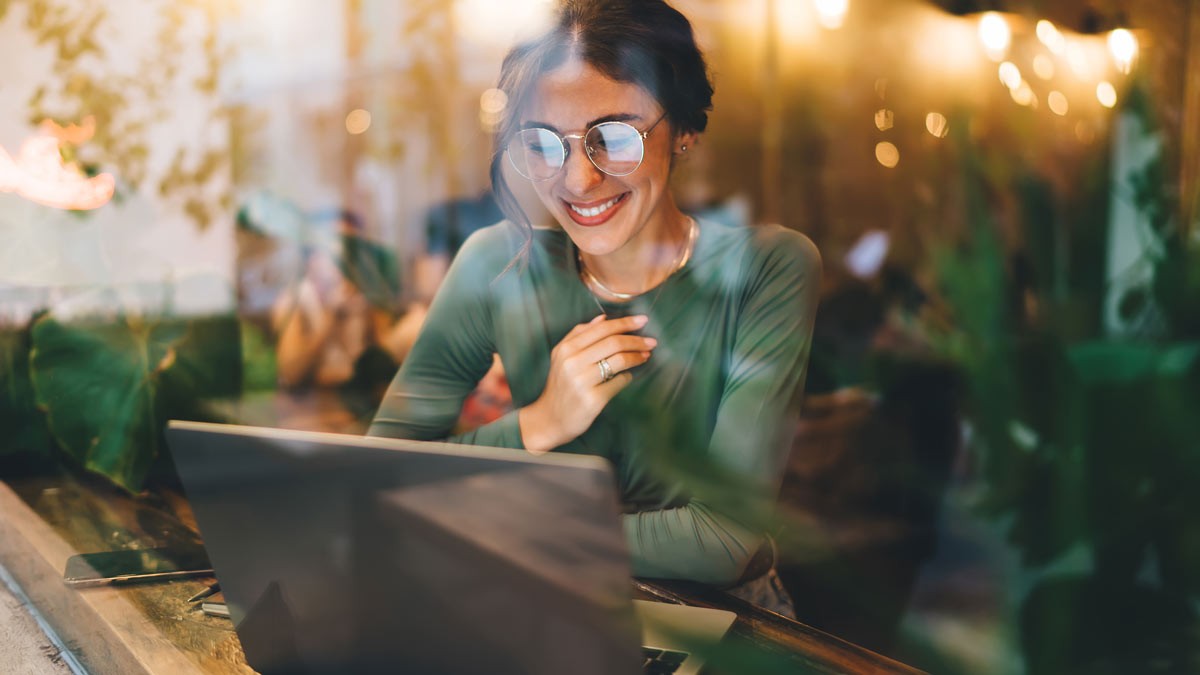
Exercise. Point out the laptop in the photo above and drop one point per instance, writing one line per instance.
(340, 553)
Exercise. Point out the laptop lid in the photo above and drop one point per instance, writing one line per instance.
(344, 553)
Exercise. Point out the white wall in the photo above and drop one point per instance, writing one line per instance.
(165, 243)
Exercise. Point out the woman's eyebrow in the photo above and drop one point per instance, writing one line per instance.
(615, 117)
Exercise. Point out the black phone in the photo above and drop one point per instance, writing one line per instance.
(136, 566)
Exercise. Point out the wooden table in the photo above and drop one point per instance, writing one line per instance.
(151, 628)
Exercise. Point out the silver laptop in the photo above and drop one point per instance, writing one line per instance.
(342, 553)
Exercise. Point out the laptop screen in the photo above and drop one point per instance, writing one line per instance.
(342, 552)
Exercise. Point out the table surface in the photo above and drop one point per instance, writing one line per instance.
(152, 628)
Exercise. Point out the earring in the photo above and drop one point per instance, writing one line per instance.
(683, 148)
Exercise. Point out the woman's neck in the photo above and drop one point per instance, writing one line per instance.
(646, 260)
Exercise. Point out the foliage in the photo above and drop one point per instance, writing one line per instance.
(27, 441)
(108, 387)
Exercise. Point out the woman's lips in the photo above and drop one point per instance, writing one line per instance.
(595, 213)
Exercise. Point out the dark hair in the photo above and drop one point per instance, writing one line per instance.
(645, 42)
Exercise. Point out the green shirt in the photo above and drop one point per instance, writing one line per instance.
(698, 440)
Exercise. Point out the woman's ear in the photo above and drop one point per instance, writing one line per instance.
(683, 142)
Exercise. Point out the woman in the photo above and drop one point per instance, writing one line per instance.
(674, 348)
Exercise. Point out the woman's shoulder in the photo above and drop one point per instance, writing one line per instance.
(768, 246)
(500, 241)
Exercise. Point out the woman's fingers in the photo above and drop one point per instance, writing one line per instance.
(608, 390)
(619, 363)
(580, 327)
(592, 332)
(613, 344)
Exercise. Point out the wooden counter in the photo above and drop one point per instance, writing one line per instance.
(151, 628)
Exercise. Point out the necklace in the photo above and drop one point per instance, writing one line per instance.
(681, 259)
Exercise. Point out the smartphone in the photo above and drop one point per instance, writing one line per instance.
(136, 566)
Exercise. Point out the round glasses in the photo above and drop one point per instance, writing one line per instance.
(616, 148)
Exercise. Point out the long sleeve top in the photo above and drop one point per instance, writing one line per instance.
(700, 437)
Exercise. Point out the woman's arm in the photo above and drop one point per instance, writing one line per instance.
(714, 536)
(451, 354)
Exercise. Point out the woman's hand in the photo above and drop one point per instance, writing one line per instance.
(576, 390)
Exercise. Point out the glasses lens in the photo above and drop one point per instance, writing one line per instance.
(615, 147)
(536, 154)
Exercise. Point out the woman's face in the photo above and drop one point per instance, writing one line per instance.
(618, 210)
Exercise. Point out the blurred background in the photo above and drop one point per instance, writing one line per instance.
(238, 210)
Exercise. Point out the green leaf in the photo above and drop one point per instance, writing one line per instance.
(26, 439)
(97, 383)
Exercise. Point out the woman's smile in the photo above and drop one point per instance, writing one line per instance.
(593, 213)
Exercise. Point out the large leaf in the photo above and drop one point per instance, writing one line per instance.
(25, 441)
(97, 383)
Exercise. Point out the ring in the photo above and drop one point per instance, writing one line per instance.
(606, 372)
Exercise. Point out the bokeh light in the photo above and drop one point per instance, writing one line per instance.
(937, 124)
(1010, 75)
(1123, 46)
(1024, 95)
(358, 121)
(1050, 36)
(995, 35)
(1057, 102)
(884, 119)
(1106, 93)
(887, 154)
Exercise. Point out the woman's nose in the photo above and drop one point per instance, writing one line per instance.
(580, 175)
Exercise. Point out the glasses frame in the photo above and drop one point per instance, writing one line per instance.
(588, 150)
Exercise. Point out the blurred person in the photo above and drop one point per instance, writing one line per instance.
(326, 325)
(676, 348)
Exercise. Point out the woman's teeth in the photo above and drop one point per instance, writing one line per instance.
(595, 210)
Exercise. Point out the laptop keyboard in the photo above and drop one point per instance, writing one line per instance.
(661, 661)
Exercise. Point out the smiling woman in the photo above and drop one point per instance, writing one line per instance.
(673, 347)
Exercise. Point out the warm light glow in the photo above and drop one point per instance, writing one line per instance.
(493, 101)
(1043, 66)
(1106, 94)
(1057, 102)
(881, 88)
(1010, 75)
(831, 13)
(358, 121)
(884, 119)
(795, 23)
(1049, 35)
(39, 174)
(995, 35)
(1077, 58)
(887, 154)
(491, 109)
(937, 124)
(1123, 46)
(500, 24)
(1023, 95)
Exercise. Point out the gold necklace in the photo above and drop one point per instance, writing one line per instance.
(681, 259)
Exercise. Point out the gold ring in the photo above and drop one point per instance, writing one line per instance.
(606, 372)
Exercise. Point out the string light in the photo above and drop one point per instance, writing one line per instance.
(1106, 94)
(1050, 36)
(1123, 46)
(995, 35)
(832, 13)
(1010, 75)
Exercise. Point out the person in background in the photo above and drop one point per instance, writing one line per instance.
(674, 347)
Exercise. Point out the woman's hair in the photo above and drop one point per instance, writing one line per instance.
(644, 42)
